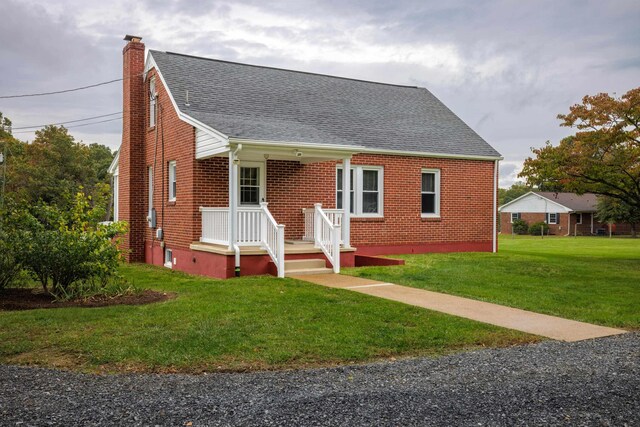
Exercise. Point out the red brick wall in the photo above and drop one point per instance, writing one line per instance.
(561, 228)
(466, 201)
(131, 205)
(170, 140)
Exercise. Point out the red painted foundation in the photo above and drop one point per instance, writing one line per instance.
(368, 261)
(223, 266)
(421, 248)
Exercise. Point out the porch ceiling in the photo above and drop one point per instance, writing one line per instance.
(292, 152)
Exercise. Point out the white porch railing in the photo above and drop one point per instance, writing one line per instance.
(272, 238)
(334, 215)
(327, 237)
(256, 227)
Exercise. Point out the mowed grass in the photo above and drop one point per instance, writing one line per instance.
(239, 324)
(592, 279)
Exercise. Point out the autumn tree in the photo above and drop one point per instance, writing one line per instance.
(55, 167)
(603, 157)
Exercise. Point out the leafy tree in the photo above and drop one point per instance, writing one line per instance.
(54, 167)
(612, 210)
(603, 157)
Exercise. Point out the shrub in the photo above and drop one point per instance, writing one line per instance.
(10, 268)
(67, 250)
(520, 226)
(537, 228)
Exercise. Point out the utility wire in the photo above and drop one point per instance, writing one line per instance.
(70, 121)
(77, 126)
(68, 90)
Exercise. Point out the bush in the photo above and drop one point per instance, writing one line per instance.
(10, 268)
(520, 226)
(537, 228)
(70, 251)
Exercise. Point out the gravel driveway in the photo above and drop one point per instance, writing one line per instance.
(594, 382)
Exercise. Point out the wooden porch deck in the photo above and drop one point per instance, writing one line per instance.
(290, 248)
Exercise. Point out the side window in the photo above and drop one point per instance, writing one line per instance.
(515, 216)
(430, 193)
(152, 102)
(172, 181)
(366, 190)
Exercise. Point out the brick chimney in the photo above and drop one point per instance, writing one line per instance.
(132, 163)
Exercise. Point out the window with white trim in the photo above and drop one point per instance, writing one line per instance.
(172, 181)
(249, 186)
(150, 191)
(340, 186)
(515, 216)
(552, 218)
(152, 102)
(116, 195)
(168, 258)
(579, 218)
(366, 190)
(430, 193)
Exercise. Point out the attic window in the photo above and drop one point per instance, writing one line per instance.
(152, 102)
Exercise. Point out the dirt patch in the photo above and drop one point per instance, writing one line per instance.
(29, 299)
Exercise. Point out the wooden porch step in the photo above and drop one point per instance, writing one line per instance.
(306, 266)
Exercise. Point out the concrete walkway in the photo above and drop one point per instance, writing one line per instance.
(544, 325)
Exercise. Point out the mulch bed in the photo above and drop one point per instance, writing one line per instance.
(30, 298)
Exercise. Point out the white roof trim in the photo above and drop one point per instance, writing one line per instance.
(566, 208)
(290, 144)
(114, 163)
(428, 154)
(151, 64)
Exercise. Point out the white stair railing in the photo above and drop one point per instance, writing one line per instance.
(272, 238)
(334, 215)
(327, 237)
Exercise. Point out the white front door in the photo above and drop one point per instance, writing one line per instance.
(251, 183)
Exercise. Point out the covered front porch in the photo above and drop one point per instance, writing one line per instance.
(266, 194)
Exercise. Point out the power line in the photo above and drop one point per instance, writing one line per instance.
(77, 126)
(69, 90)
(60, 91)
(63, 123)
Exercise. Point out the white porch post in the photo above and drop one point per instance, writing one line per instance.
(233, 203)
(346, 202)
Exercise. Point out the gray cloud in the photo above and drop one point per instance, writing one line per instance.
(506, 68)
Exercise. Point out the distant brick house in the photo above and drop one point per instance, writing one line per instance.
(226, 166)
(565, 213)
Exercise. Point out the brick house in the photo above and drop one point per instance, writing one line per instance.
(565, 213)
(227, 168)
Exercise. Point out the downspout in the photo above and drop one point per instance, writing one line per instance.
(569, 223)
(233, 180)
(495, 205)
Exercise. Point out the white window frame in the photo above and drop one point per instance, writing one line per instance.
(262, 176)
(173, 181)
(437, 192)
(517, 216)
(579, 218)
(152, 102)
(150, 192)
(116, 194)
(168, 258)
(358, 190)
(555, 221)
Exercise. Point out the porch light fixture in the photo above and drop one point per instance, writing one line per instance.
(298, 153)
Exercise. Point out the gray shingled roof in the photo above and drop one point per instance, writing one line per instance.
(262, 103)
(581, 203)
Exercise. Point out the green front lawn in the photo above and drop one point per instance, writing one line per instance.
(237, 324)
(592, 279)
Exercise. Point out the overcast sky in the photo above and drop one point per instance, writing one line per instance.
(507, 68)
